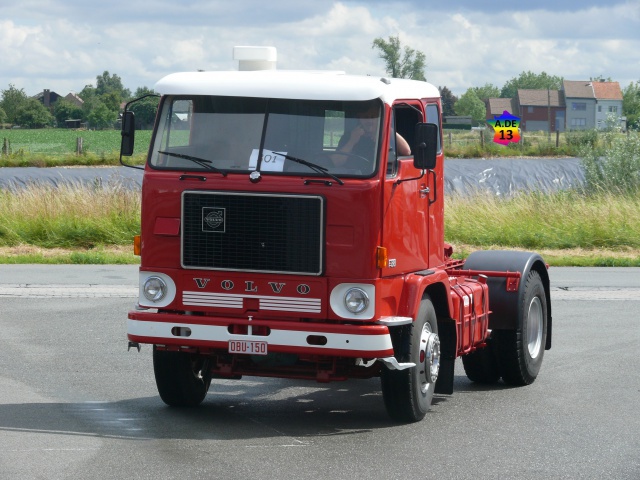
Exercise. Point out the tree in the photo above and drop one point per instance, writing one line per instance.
(631, 104)
(469, 104)
(600, 78)
(101, 116)
(530, 80)
(141, 91)
(145, 109)
(33, 114)
(106, 84)
(3, 116)
(401, 64)
(65, 110)
(88, 93)
(448, 101)
(112, 100)
(489, 90)
(108, 94)
(12, 100)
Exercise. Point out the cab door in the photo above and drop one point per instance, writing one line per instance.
(407, 196)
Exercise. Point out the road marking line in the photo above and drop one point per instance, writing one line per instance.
(582, 293)
(67, 291)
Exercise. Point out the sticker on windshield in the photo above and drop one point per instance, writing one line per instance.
(271, 161)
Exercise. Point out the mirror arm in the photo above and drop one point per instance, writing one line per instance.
(402, 180)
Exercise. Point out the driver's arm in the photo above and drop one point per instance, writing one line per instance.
(402, 147)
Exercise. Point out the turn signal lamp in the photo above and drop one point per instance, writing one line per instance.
(382, 258)
(136, 245)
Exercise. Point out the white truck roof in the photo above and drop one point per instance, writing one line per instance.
(307, 85)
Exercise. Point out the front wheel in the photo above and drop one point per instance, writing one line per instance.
(520, 351)
(408, 393)
(182, 378)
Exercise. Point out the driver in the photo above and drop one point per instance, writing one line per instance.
(361, 140)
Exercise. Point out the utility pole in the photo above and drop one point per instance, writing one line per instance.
(549, 113)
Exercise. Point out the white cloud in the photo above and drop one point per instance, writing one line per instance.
(63, 45)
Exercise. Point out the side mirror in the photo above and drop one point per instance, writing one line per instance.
(426, 147)
(128, 133)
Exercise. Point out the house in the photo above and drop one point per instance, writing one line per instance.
(47, 97)
(608, 102)
(541, 110)
(590, 102)
(497, 106)
(581, 104)
(75, 99)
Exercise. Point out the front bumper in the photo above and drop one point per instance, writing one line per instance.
(300, 338)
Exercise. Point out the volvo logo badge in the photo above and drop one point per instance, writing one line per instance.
(213, 219)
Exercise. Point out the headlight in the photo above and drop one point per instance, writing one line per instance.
(356, 300)
(154, 289)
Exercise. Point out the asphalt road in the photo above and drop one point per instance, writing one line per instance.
(75, 404)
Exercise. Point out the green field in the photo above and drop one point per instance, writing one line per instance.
(61, 141)
(56, 146)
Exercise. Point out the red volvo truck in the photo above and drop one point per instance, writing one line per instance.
(288, 232)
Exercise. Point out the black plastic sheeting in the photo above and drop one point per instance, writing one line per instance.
(508, 176)
(11, 178)
(502, 177)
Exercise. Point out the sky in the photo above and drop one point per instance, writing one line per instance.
(63, 45)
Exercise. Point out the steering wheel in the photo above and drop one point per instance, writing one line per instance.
(354, 161)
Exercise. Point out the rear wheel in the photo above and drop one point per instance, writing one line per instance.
(408, 393)
(481, 366)
(182, 378)
(520, 351)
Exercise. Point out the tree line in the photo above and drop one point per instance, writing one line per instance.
(101, 106)
(102, 103)
(408, 63)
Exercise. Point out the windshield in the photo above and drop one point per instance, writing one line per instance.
(277, 136)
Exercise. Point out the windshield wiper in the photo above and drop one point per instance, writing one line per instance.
(203, 162)
(316, 168)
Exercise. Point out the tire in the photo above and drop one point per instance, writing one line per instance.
(520, 351)
(180, 378)
(408, 393)
(481, 366)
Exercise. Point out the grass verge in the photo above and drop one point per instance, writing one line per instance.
(28, 254)
(96, 225)
(69, 160)
(69, 216)
(122, 255)
(569, 257)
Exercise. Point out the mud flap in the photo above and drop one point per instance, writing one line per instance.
(447, 333)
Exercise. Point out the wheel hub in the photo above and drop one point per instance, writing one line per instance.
(429, 357)
(535, 322)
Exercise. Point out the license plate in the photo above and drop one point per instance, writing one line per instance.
(248, 347)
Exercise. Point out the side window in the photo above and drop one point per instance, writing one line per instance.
(403, 121)
(433, 116)
(181, 117)
(392, 158)
(406, 119)
(333, 128)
